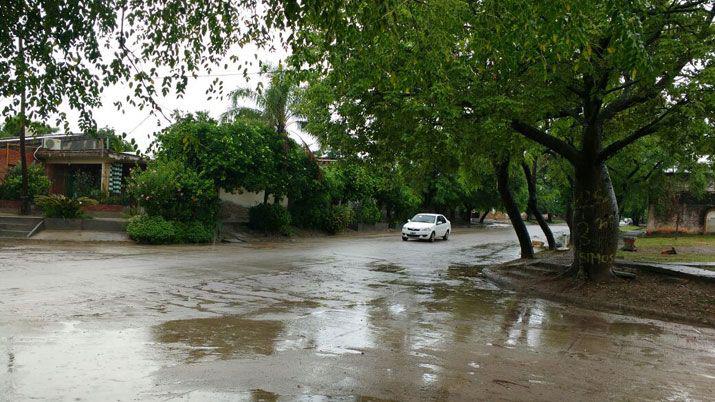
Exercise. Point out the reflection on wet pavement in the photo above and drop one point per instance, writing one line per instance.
(361, 318)
(224, 337)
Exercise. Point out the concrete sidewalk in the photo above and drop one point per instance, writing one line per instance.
(81, 235)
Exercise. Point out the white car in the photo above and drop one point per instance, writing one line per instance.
(427, 226)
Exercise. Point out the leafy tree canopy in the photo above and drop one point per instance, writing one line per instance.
(11, 128)
(582, 79)
(235, 155)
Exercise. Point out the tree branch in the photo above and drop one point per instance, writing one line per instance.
(626, 100)
(614, 147)
(677, 7)
(655, 167)
(625, 85)
(563, 113)
(549, 141)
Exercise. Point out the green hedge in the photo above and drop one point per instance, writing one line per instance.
(38, 183)
(269, 218)
(174, 192)
(367, 212)
(338, 218)
(157, 230)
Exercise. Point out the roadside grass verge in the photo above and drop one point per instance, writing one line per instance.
(689, 248)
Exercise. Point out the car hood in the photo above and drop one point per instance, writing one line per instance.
(418, 225)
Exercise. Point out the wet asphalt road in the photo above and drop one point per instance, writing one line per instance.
(346, 318)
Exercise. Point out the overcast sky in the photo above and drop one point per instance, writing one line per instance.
(142, 124)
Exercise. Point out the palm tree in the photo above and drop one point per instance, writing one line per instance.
(276, 105)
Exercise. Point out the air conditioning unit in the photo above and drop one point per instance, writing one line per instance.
(53, 144)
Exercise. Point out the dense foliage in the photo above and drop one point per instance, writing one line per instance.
(114, 141)
(367, 212)
(583, 81)
(11, 128)
(269, 218)
(170, 190)
(231, 155)
(337, 218)
(38, 183)
(157, 230)
(60, 206)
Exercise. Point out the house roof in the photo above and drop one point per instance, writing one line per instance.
(74, 147)
(49, 155)
(41, 137)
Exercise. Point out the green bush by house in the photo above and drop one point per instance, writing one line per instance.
(269, 218)
(170, 190)
(367, 212)
(180, 206)
(60, 206)
(157, 230)
(38, 183)
(338, 218)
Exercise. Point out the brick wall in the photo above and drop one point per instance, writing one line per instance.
(11, 157)
(688, 217)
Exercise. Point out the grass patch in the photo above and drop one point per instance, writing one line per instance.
(675, 241)
(642, 256)
(690, 248)
(629, 228)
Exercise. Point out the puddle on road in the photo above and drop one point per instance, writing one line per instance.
(465, 271)
(416, 325)
(221, 337)
(386, 268)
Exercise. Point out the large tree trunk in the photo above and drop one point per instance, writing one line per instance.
(533, 206)
(501, 169)
(24, 195)
(569, 209)
(484, 215)
(595, 223)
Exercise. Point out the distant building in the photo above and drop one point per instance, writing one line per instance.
(66, 158)
(683, 212)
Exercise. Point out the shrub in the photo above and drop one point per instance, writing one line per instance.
(269, 218)
(59, 206)
(114, 199)
(338, 218)
(174, 192)
(157, 230)
(368, 213)
(194, 232)
(152, 230)
(38, 183)
(310, 211)
(86, 184)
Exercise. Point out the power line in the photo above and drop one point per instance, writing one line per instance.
(142, 122)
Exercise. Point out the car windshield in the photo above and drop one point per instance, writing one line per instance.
(423, 218)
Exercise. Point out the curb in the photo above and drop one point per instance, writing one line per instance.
(672, 270)
(618, 308)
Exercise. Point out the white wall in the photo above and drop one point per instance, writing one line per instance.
(234, 206)
(245, 199)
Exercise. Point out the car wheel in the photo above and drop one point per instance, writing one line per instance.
(404, 238)
(431, 237)
(446, 235)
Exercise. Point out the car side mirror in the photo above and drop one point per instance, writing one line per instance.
(409, 220)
